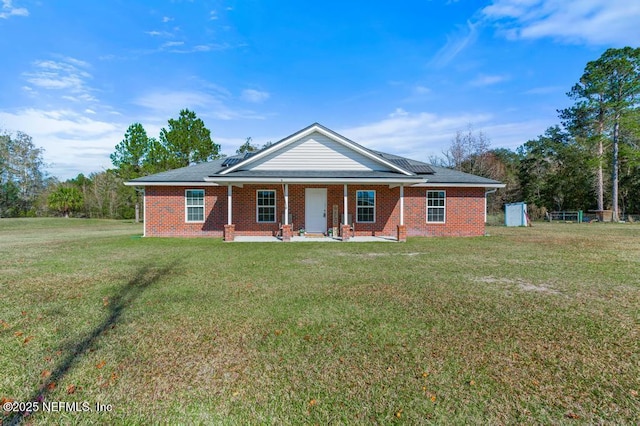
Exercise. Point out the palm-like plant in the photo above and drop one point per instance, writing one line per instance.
(65, 199)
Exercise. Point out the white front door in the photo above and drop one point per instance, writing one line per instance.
(315, 213)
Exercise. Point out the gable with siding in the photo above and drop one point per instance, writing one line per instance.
(316, 152)
(318, 149)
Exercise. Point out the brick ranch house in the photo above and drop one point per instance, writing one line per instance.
(307, 181)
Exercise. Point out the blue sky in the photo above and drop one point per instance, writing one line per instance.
(401, 77)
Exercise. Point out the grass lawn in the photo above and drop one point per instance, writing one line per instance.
(530, 325)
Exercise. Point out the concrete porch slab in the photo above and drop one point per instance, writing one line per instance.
(298, 239)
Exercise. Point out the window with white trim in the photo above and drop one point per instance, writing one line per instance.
(266, 206)
(194, 205)
(436, 206)
(366, 206)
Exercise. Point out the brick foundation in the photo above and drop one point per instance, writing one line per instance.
(286, 233)
(402, 233)
(229, 232)
(345, 232)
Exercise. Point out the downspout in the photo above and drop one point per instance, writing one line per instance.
(144, 213)
(492, 191)
(401, 204)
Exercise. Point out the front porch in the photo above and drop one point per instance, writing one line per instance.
(297, 212)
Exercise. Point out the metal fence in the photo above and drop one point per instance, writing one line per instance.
(632, 218)
(566, 216)
(580, 216)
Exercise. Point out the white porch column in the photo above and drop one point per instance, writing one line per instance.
(402, 204)
(345, 206)
(229, 198)
(286, 203)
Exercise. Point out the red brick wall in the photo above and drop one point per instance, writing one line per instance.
(464, 212)
(165, 211)
(245, 214)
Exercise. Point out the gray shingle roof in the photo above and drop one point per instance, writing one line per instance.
(354, 174)
(198, 172)
(445, 175)
(193, 173)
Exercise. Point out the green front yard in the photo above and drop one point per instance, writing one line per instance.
(529, 325)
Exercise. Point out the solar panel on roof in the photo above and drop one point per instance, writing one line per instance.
(412, 166)
(420, 169)
(231, 161)
(400, 162)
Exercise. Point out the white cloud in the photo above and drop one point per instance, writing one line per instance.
(181, 48)
(595, 22)
(203, 48)
(213, 15)
(162, 104)
(254, 96)
(9, 10)
(545, 90)
(155, 33)
(415, 135)
(423, 134)
(166, 19)
(488, 80)
(73, 142)
(421, 90)
(513, 134)
(77, 62)
(228, 145)
(399, 112)
(166, 101)
(47, 80)
(455, 44)
(173, 44)
(66, 75)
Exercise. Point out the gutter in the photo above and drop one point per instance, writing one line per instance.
(316, 180)
(460, 185)
(168, 183)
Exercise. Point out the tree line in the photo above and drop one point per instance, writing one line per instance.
(590, 160)
(26, 191)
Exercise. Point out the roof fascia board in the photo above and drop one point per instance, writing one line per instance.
(382, 181)
(378, 181)
(459, 185)
(182, 183)
(212, 181)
